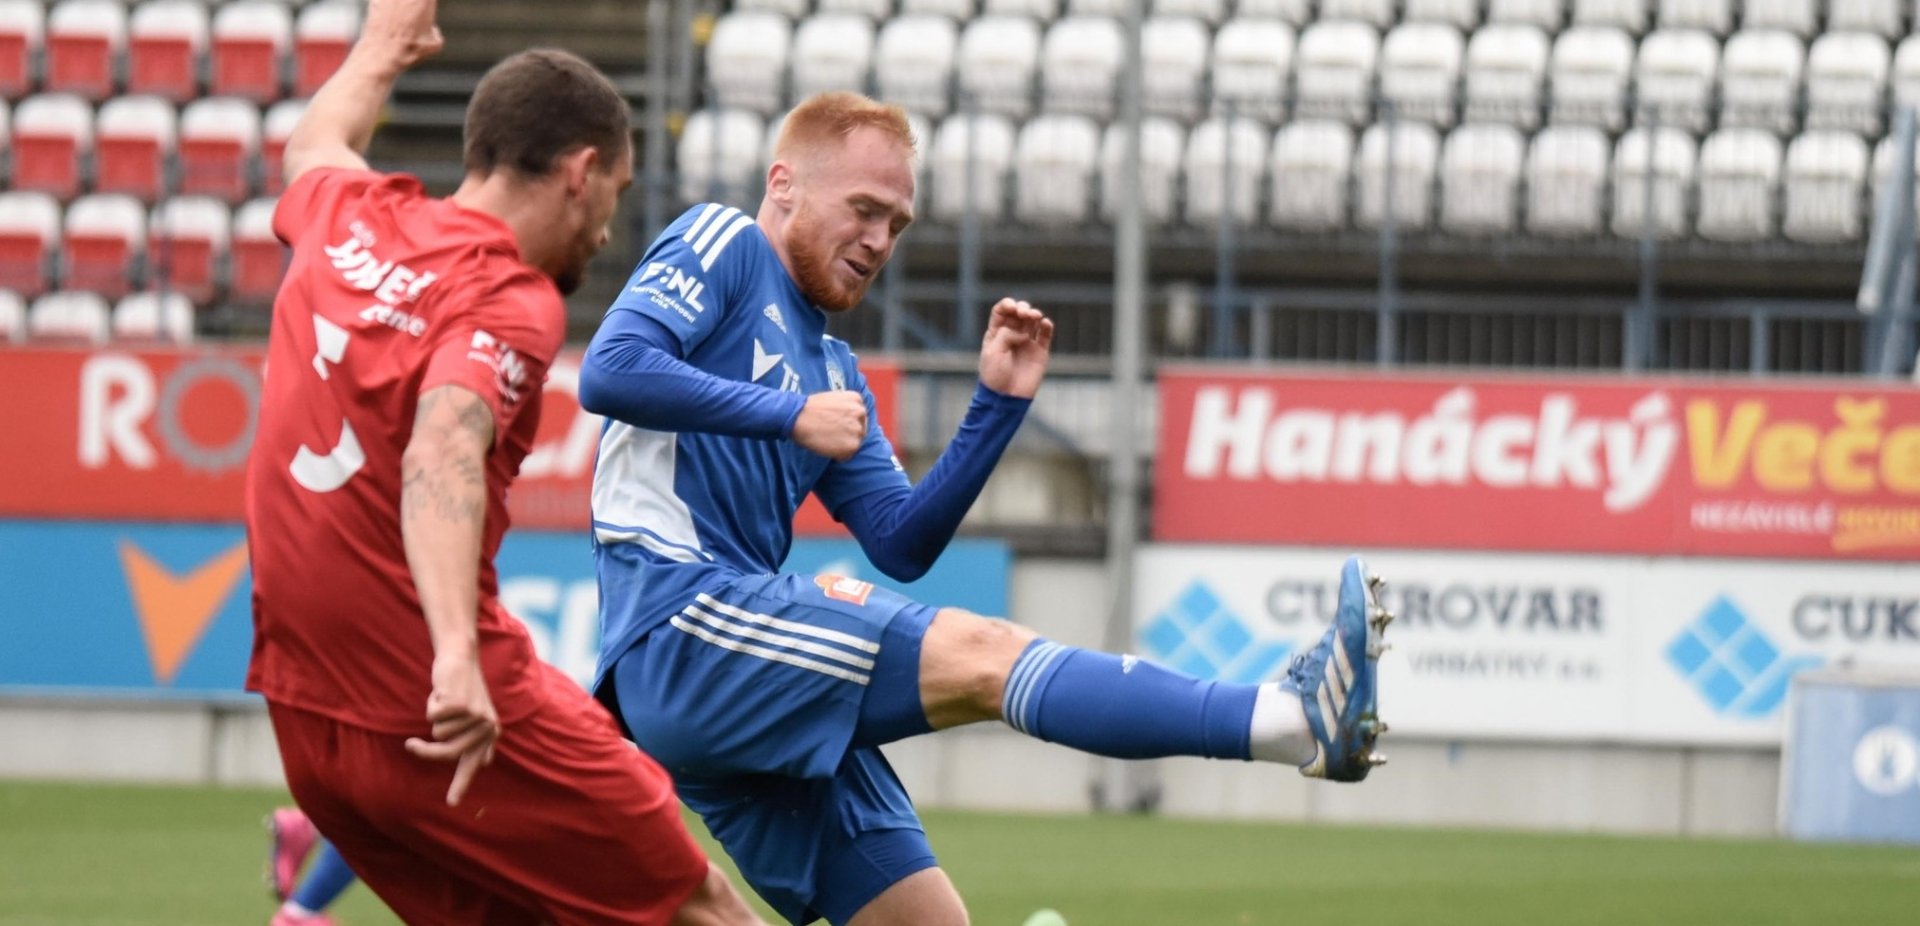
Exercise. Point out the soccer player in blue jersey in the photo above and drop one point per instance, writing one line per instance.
(767, 695)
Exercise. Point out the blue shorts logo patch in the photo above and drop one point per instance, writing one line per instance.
(842, 588)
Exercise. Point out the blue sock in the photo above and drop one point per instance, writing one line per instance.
(326, 878)
(1124, 707)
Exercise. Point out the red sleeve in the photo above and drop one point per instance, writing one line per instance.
(501, 342)
(313, 198)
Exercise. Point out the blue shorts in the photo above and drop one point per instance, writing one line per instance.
(755, 697)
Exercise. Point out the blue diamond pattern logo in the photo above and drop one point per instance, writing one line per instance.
(1731, 664)
(1199, 635)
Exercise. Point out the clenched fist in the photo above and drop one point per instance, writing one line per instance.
(832, 424)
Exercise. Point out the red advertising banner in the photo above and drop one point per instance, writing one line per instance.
(163, 435)
(1696, 467)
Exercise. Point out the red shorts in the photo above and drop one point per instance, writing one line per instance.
(570, 824)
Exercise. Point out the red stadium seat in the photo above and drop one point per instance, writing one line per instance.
(281, 119)
(22, 30)
(321, 38)
(154, 316)
(133, 140)
(250, 41)
(69, 316)
(167, 41)
(85, 39)
(189, 246)
(218, 140)
(51, 133)
(29, 235)
(106, 233)
(259, 259)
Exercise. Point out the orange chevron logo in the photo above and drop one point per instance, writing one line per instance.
(174, 610)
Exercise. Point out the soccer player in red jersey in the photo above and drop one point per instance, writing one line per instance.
(409, 347)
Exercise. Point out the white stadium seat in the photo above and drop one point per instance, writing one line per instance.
(1566, 181)
(747, 60)
(84, 42)
(104, 237)
(985, 142)
(29, 235)
(1715, 16)
(1375, 13)
(791, 9)
(1661, 157)
(52, 137)
(1054, 164)
(872, 10)
(1420, 72)
(1739, 184)
(1043, 11)
(1224, 164)
(832, 51)
(153, 316)
(1877, 17)
(1251, 61)
(1173, 64)
(1408, 157)
(251, 41)
(1111, 9)
(1548, 15)
(1295, 13)
(1795, 16)
(1847, 82)
(913, 64)
(1505, 72)
(1906, 72)
(1080, 65)
(1460, 14)
(1212, 12)
(957, 10)
(189, 236)
(1826, 177)
(1333, 72)
(1312, 169)
(23, 30)
(166, 45)
(1674, 78)
(1589, 72)
(719, 157)
(133, 140)
(1760, 80)
(13, 317)
(1630, 15)
(999, 56)
(1162, 148)
(69, 315)
(1480, 169)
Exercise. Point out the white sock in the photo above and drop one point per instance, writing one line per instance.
(1279, 731)
(296, 911)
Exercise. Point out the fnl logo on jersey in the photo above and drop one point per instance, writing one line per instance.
(509, 371)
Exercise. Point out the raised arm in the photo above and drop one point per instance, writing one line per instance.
(339, 121)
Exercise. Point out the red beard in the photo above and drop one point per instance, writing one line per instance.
(814, 270)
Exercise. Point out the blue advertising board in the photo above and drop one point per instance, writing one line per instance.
(1852, 763)
(162, 609)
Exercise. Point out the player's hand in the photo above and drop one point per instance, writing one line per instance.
(1013, 356)
(402, 31)
(465, 725)
(832, 424)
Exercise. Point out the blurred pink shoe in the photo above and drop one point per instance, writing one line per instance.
(292, 841)
(283, 918)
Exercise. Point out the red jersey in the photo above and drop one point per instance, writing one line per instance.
(390, 293)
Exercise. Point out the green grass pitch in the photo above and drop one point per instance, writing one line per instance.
(95, 855)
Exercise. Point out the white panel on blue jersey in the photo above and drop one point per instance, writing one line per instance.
(633, 495)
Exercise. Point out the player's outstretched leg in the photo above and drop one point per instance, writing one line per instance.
(1337, 681)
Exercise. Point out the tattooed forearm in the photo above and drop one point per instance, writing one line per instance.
(444, 472)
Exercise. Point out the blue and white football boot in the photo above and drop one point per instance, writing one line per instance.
(1338, 680)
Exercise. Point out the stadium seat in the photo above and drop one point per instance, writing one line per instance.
(1460, 14)
(1795, 16)
(1109, 9)
(1251, 61)
(788, 9)
(1420, 72)
(1627, 15)
(1760, 81)
(1162, 146)
(1589, 72)
(1054, 164)
(104, 237)
(1223, 167)
(251, 39)
(1674, 79)
(913, 62)
(873, 10)
(52, 133)
(166, 42)
(1875, 17)
(1546, 15)
(957, 10)
(1715, 16)
(1080, 65)
(1173, 52)
(29, 238)
(219, 138)
(1312, 165)
(133, 143)
(1480, 168)
(1826, 176)
(986, 142)
(1739, 184)
(1211, 12)
(322, 35)
(832, 51)
(1333, 72)
(1668, 167)
(72, 316)
(85, 39)
(13, 317)
(999, 56)
(1906, 73)
(719, 157)
(1295, 13)
(1040, 11)
(259, 259)
(188, 246)
(1883, 167)
(1376, 13)
(747, 60)
(1566, 181)
(277, 128)
(1409, 156)
(22, 34)
(1506, 69)
(154, 316)
(1847, 82)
